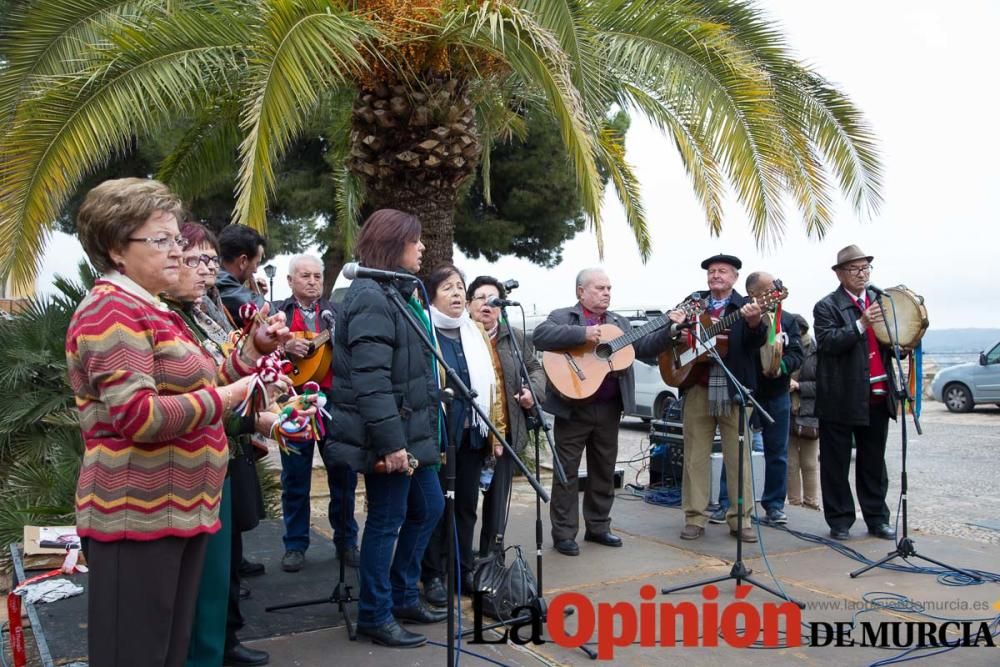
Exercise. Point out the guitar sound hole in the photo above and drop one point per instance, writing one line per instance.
(603, 351)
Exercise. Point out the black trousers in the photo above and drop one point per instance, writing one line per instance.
(871, 479)
(495, 504)
(468, 466)
(592, 427)
(141, 600)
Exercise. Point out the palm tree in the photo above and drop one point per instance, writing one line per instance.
(40, 442)
(427, 86)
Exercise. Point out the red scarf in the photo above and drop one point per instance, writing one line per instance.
(879, 378)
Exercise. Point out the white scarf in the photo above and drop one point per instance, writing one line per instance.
(482, 377)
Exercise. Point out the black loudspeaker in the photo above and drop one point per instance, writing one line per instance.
(666, 440)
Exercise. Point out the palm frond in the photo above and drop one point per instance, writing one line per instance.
(50, 38)
(696, 154)
(206, 153)
(350, 197)
(302, 48)
(611, 149)
(161, 67)
(535, 56)
(847, 143)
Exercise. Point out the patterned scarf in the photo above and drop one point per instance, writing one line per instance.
(719, 403)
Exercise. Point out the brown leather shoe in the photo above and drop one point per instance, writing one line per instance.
(748, 534)
(692, 532)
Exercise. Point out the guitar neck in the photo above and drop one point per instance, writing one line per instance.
(724, 323)
(635, 334)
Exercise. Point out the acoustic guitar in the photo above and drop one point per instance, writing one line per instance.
(677, 363)
(316, 364)
(578, 372)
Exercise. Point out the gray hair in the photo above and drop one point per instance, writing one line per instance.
(584, 276)
(299, 259)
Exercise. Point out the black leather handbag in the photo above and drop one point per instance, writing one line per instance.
(505, 587)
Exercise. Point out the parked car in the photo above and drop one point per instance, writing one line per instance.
(964, 386)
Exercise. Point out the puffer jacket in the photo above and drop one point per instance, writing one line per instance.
(385, 397)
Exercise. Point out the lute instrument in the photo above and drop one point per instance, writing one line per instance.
(316, 364)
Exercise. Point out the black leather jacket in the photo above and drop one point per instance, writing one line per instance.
(843, 380)
(234, 294)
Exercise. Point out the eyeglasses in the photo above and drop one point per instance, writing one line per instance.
(192, 262)
(858, 270)
(162, 243)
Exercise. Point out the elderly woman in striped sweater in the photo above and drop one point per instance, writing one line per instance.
(151, 402)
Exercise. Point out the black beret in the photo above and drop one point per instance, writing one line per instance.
(723, 259)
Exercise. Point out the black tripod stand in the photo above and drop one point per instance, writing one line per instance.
(905, 548)
(341, 594)
(455, 383)
(538, 425)
(740, 572)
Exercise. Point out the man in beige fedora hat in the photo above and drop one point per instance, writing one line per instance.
(850, 254)
(855, 397)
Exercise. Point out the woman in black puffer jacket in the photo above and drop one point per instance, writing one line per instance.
(384, 408)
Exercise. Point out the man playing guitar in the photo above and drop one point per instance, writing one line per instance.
(309, 315)
(708, 401)
(590, 424)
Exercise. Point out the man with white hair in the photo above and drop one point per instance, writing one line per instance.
(590, 424)
(308, 314)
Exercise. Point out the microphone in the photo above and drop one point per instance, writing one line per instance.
(874, 288)
(511, 284)
(497, 302)
(354, 270)
(327, 318)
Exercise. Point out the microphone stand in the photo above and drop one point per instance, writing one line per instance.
(905, 547)
(341, 595)
(459, 388)
(538, 423)
(740, 572)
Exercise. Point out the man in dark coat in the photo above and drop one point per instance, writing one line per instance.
(855, 397)
(591, 424)
(709, 402)
(309, 315)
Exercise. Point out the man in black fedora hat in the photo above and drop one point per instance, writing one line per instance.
(855, 397)
(708, 401)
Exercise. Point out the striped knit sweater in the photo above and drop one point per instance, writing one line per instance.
(155, 451)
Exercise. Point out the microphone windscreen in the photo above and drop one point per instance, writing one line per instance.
(350, 270)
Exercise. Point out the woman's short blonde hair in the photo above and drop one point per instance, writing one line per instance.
(112, 211)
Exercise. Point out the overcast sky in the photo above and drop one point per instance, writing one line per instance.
(924, 74)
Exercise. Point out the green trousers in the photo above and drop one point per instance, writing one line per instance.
(208, 636)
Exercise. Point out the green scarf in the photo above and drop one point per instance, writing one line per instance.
(418, 310)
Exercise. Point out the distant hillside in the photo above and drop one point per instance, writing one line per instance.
(937, 341)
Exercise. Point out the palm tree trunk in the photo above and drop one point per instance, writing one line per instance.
(435, 208)
(333, 262)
